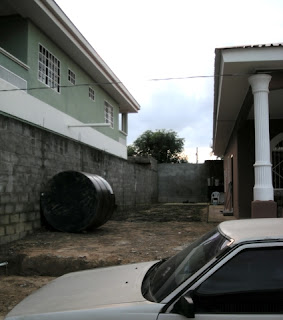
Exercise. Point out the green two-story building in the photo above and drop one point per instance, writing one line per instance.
(51, 77)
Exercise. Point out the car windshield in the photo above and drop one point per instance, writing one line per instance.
(171, 273)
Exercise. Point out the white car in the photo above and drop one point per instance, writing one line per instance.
(233, 272)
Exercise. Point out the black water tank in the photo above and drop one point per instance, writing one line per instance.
(77, 201)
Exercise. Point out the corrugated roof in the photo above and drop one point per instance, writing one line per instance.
(252, 46)
(219, 148)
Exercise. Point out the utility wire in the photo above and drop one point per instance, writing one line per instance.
(120, 82)
(204, 76)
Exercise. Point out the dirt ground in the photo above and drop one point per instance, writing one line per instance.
(144, 235)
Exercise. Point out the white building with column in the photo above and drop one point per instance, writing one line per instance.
(248, 128)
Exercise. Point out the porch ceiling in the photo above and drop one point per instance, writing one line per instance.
(233, 66)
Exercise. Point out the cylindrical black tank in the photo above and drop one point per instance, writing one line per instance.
(77, 201)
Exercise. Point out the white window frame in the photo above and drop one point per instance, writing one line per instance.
(123, 122)
(71, 76)
(91, 93)
(49, 67)
(109, 113)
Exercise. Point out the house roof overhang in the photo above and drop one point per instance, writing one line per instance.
(48, 16)
(233, 67)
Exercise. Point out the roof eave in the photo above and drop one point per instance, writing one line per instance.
(230, 91)
(63, 32)
(217, 63)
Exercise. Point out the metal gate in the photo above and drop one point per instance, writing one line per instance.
(277, 176)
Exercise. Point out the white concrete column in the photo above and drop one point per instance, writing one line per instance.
(263, 189)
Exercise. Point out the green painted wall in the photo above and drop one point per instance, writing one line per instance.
(14, 67)
(13, 36)
(72, 100)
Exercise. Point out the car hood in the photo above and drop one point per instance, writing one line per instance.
(87, 290)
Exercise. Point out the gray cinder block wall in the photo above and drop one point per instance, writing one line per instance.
(30, 156)
(184, 182)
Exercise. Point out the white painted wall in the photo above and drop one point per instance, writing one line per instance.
(23, 106)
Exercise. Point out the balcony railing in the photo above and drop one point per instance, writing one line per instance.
(12, 78)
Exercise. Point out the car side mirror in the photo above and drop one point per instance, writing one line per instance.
(185, 306)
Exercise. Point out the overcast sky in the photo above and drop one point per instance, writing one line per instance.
(141, 40)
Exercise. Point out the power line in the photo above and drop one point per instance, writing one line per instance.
(204, 76)
(120, 82)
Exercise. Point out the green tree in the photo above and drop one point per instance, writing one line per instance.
(163, 145)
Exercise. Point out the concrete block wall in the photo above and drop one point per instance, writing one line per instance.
(30, 156)
(184, 182)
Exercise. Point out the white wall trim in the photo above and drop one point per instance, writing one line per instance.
(253, 54)
(21, 105)
(13, 78)
(13, 58)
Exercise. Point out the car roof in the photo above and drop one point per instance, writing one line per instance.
(252, 229)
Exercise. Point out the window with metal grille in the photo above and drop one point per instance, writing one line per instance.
(48, 69)
(71, 76)
(277, 166)
(109, 114)
(91, 93)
